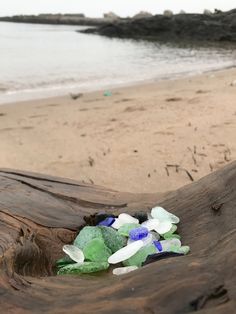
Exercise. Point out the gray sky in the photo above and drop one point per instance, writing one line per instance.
(98, 7)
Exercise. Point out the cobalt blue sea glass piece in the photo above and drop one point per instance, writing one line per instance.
(138, 233)
(107, 222)
(100, 217)
(158, 245)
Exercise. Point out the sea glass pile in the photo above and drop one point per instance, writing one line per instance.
(123, 241)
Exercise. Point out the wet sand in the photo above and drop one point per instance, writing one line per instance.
(147, 138)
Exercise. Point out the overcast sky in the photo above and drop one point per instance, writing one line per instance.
(120, 7)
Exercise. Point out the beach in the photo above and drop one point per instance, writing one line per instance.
(151, 137)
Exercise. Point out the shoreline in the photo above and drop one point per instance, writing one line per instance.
(144, 138)
(50, 93)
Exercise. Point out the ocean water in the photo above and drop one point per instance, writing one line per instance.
(38, 61)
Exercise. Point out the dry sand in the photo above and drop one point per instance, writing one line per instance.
(147, 138)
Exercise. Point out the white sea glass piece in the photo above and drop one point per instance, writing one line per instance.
(164, 227)
(151, 224)
(117, 224)
(125, 252)
(127, 219)
(160, 227)
(168, 244)
(163, 215)
(74, 252)
(124, 270)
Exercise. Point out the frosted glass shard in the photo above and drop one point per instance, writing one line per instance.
(163, 215)
(74, 252)
(117, 224)
(126, 218)
(87, 234)
(168, 245)
(163, 227)
(85, 268)
(182, 250)
(141, 256)
(172, 230)
(96, 251)
(126, 252)
(123, 270)
(113, 240)
(151, 224)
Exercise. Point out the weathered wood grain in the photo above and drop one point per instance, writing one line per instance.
(38, 214)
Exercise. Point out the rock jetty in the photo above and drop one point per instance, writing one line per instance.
(215, 27)
(61, 19)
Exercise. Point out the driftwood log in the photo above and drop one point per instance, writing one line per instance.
(38, 214)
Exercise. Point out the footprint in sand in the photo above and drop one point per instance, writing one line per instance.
(194, 100)
(123, 100)
(27, 128)
(37, 116)
(174, 99)
(163, 133)
(7, 129)
(132, 109)
(201, 91)
(92, 100)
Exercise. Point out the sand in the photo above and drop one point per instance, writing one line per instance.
(152, 137)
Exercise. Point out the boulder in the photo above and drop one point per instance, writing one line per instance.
(111, 15)
(141, 15)
(167, 13)
(207, 12)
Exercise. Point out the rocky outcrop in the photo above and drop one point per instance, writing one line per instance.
(220, 26)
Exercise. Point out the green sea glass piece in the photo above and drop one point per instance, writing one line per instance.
(96, 251)
(107, 93)
(141, 256)
(85, 268)
(126, 228)
(112, 239)
(86, 235)
(64, 261)
(183, 249)
(172, 236)
(172, 230)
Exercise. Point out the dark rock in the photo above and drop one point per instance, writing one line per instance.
(220, 26)
(159, 256)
